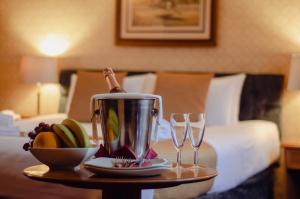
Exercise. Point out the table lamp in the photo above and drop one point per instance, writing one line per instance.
(294, 77)
(38, 70)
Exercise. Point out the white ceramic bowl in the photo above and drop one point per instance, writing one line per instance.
(63, 158)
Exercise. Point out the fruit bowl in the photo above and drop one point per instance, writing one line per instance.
(62, 158)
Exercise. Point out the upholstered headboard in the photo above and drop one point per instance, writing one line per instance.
(260, 99)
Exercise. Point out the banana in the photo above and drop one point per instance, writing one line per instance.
(113, 125)
(65, 135)
(78, 131)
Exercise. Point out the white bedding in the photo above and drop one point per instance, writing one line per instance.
(243, 149)
(27, 125)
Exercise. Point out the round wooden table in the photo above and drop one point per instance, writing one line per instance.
(117, 187)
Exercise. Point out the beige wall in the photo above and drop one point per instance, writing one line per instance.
(253, 36)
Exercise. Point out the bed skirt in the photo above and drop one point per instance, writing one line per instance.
(259, 186)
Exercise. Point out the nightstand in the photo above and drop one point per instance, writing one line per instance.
(292, 169)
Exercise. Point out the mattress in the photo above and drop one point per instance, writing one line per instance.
(243, 149)
(27, 125)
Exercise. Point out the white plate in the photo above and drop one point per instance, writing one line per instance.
(108, 163)
(104, 166)
(121, 172)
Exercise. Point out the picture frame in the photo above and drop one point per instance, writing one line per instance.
(166, 22)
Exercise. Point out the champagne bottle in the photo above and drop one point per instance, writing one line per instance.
(113, 85)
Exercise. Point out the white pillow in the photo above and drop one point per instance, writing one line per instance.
(71, 92)
(134, 84)
(140, 83)
(150, 83)
(223, 100)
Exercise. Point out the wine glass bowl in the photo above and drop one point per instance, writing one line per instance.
(196, 129)
(179, 131)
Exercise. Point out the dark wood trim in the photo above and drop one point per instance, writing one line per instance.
(291, 169)
(167, 43)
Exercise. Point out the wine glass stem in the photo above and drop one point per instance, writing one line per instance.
(195, 157)
(178, 158)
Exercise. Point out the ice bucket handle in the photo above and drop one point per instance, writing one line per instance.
(159, 108)
(158, 114)
(95, 108)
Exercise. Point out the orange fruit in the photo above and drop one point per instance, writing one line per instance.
(46, 140)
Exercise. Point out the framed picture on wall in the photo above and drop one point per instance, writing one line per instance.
(166, 22)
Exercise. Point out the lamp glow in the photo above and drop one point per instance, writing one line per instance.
(53, 45)
(50, 88)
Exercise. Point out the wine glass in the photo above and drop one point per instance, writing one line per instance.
(196, 129)
(179, 130)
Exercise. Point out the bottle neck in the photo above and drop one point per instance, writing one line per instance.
(112, 83)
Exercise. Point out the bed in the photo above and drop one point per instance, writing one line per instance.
(247, 151)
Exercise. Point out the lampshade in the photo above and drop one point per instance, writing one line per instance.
(294, 77)
(38, 69)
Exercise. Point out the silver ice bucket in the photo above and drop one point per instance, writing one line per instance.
(126, 119)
